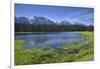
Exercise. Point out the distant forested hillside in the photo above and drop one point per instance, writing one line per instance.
(42, 24)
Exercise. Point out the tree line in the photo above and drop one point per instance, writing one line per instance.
(25, 25)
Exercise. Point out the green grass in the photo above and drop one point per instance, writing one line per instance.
(72, 53)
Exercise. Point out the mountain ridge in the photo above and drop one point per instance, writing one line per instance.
(43, 20)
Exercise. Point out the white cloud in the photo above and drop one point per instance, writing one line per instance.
(77, 13)
(83, 14)
(88, 16)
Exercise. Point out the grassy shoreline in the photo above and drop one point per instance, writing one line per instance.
(25, 33)
(82, 52)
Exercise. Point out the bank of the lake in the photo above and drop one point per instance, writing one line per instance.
(81, 52)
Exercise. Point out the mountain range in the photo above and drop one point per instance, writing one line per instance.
(42, 20)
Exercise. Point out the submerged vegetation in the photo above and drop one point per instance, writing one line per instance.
(69, 53)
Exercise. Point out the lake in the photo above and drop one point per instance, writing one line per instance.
(51, 40)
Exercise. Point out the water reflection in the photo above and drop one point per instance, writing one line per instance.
(55, 40)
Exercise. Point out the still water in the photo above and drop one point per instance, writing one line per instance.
(51, 40)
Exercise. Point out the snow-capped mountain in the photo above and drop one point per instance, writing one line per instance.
(41, 20)
(65, 22)
(34, 20)
(21, 20)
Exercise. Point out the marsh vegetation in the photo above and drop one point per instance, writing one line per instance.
(82, 51)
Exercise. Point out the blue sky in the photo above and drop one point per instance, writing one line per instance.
(56, 13)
